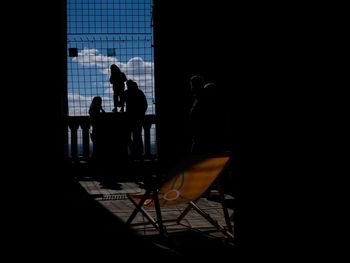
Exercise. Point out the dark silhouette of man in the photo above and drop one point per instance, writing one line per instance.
(207, 118)
(196, 115)
(136, 106)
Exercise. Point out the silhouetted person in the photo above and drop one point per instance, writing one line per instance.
(208, 118)
(208, 124)
(96, 113)
(215, 124)
(117, 80)
(197, 114)
(136, 106)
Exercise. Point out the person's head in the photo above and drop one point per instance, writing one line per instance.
(96, 103)
(197, 85)
(114, 68)
(132, 85)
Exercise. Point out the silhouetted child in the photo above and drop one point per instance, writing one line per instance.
(96, 106)
(117, 80)
(95, 109)
(95, 112)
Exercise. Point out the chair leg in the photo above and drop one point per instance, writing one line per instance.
(185, 212)
(224, 207)
(211, 220)
(145, 214)
(138, 206)
(159, 215)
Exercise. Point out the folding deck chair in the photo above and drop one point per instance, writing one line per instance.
(185, 184)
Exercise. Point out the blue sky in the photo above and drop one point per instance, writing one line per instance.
(108, 32)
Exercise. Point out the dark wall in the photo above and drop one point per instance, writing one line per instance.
(36, 69)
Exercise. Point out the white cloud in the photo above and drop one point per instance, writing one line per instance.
(137, 66)
(142, 72)
(91, 58)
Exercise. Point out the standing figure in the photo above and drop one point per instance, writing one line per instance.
(117, 80)
(197, 113)
(208, 118)
(136, 106)
(97, 113)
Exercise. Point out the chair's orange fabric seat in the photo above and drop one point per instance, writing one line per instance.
(188, 183)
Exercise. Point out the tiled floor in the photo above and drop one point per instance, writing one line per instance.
(116, 201)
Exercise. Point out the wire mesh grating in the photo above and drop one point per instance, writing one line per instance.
(105, 32)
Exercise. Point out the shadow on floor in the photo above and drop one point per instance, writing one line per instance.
(195, 243)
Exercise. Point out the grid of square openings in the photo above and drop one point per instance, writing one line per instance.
(105, 32)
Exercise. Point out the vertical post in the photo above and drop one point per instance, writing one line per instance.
(147, 137)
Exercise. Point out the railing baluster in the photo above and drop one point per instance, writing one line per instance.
(85, 126)
(74, 139)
